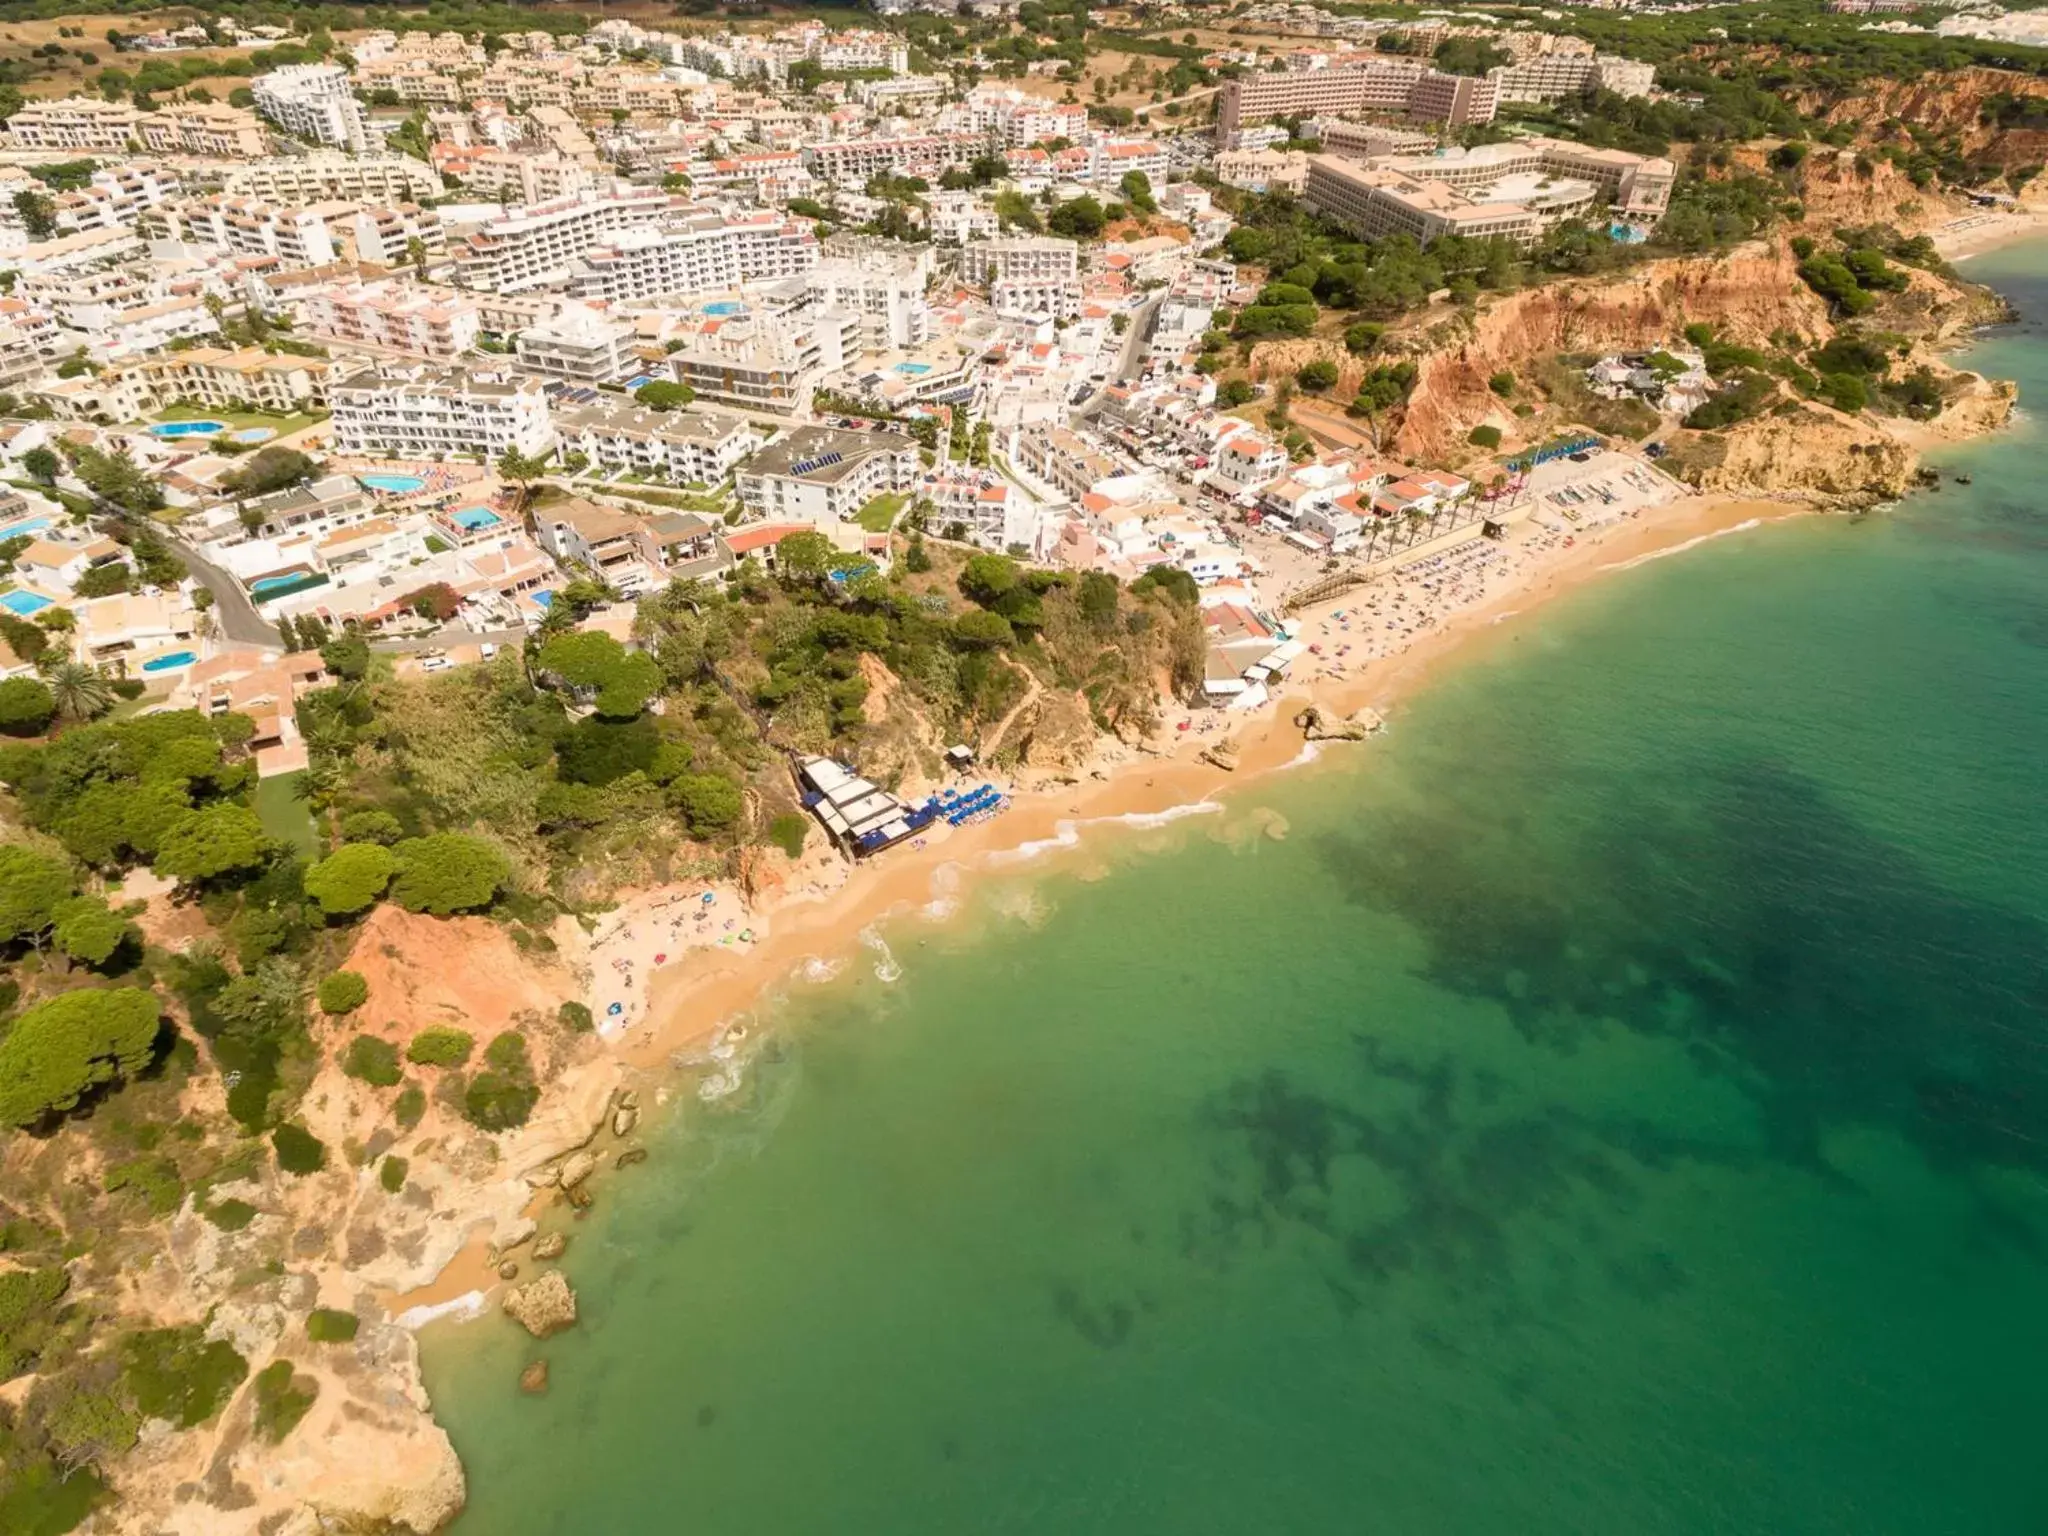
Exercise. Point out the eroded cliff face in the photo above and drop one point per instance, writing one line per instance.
(369, 1455)
(1950, 102)
(1748, 297)
(1745, 296)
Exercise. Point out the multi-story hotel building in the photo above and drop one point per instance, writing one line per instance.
(769, 365)
(430, 413)
(1553, 76)
(1515, 190)
(823, 475)
(1392, 86)
(707, 254)
(77, 122)
(882, 283)
(1041, 257)
(853, 161)
(313, 101)
(691, 447)
(381, 178)
(434, 323)
(204, 128)
(580, 345)
(541, 243)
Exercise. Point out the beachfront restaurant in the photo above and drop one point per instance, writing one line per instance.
(861, 817)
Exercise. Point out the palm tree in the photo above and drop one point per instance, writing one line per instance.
(79, 691)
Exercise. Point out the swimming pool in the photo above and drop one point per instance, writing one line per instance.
(22, 604)
(393, 485)
(168, 662)
(275, 586)
(253, 435)
(188, 429)
(912, 370)
(26, 525)
(725, 307)
(473, 518)
(542, 600)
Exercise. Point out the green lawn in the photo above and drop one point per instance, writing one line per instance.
(284, 814)
(879, 514)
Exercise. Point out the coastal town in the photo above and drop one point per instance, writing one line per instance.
(517, 537)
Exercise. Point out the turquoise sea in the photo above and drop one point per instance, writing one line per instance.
(1616, 1102)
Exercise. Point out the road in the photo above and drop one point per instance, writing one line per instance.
(237, 617)
(1130, 361)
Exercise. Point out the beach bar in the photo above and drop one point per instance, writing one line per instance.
(861, 816)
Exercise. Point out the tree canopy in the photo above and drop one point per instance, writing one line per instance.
(212, 841)
(59, 1051)
(448, 872)
(351, 878)
(590, 660)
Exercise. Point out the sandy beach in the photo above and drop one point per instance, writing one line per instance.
(1973, 234)
(682, 969)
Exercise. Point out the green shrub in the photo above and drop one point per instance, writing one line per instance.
(175, 1374)
(392, 1174)
(1502, 384)
(442, 1045)
(329, 1325)
(788, 832)
(231, 1215)
(342, 992)
(574, 1017)
(1484, 436)
(502, 1095)
(410, 1107)
(155, 1179)
(28, 1300)
(59, 1051)
(282, 1399)
(352, 877)
(373, 1060)
(299, 1151)
(448, 872)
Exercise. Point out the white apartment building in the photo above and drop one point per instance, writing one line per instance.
(1033, 298)
(708, 253)
(314, 102)
(1043, 257)
(117, 195)
(540, 244)
(324, 174)
(1111, 162)
(1016, 119)
(901, 93)
(581, 345)
(434, 323)
(823, 476)
(697, 446)
(954, 218)
(430, 413)
(517, 175)
(881, 283)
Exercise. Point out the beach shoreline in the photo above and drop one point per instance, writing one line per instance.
(816, 923)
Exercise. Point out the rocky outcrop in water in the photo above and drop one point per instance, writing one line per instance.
(1315, 724)
(542, 1307)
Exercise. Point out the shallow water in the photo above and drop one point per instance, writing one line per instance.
(1614, 1102)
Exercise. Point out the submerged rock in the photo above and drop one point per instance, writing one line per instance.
(579, 1197)
(576, 1168)
(534, 1379)
(630, 1156)
(542, 1307)
(550, 1245)
(624, 1121)
(508, 1270)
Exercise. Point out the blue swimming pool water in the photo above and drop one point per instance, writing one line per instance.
(166, 663)
(475, 517)
(276, 586)
(542, 599)
(26, 525)
(253, 435)
(22, 604)
(912, 370)
(726, 307)
(188, 429)
(396, 485)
